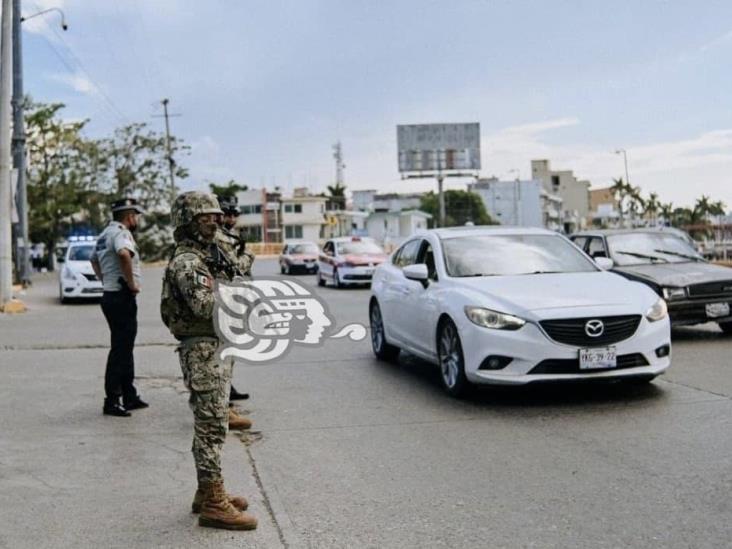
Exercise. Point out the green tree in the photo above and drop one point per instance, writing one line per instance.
(64, 172)
(667, 212)
(337, 197)
(460, 207)
(652, 207)
(229, 189)
(620, 192)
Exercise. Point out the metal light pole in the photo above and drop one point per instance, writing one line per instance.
(6, 262)
(625, 159)
(21, 198)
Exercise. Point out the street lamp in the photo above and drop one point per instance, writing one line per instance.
(625, 159)
(64, 26)
(19, 133)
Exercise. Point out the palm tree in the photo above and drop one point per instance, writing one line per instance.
(703, 206)
(667, 212)
(652, 207)
(636, 203)
(337, 196)
(620, 191)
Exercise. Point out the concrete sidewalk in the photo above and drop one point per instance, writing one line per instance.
(71, 477)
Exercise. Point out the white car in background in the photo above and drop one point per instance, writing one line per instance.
(76, 277)
(349, 260)
(513, 306)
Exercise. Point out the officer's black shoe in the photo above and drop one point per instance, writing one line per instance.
(236, 395)
(115, 409)
(136, 404)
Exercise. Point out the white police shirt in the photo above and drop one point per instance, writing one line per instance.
(114, 238)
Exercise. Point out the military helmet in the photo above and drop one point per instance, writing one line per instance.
(229, 204)
(190, 204)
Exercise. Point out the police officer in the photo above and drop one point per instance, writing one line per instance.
(187, 305)
(117, 264)
(231, 243)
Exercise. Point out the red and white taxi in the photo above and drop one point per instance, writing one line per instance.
(349, 260)
(300, 255)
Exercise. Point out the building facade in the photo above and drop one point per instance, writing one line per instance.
(519, 203)
(575, 193)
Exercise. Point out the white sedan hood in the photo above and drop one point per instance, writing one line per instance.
(82, 267)
(561, 295)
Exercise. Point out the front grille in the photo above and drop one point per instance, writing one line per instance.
(571, 365)
(571, 331)
(720, 287)
(91, 277)
(356, 277)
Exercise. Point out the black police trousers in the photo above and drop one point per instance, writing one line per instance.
(120, 310)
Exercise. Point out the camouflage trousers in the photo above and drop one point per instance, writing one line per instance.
(208, 380)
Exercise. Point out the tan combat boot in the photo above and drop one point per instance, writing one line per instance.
(218, 512)
(237, 422)
(237, 501)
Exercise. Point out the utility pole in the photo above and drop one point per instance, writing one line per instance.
(171, 162)
(340, 166)
(6, 59)
(21, 198)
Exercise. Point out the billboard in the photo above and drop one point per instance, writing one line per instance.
(438, 147)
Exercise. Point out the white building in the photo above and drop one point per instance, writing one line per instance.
(392, 228)
(575, 193)
(519, 203)
(345, 223)
(372, 201)
(303, 217)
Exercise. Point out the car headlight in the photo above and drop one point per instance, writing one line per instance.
(674, 293)
(493, 319)
(658, 311)
(67, 274)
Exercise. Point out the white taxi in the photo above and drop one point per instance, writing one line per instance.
(76, 277)
(349, 260)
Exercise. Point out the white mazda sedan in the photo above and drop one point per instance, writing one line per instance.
(513, 306)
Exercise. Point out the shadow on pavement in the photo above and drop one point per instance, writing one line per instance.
(411, 369)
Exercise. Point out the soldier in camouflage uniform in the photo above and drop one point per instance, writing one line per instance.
(228, 239)
(187, 305)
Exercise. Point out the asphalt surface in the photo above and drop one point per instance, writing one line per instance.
(350, 452)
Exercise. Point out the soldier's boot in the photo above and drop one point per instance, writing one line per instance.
(237, 422)
(218, 512)
(239, 502)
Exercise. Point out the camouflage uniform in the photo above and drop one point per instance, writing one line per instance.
(187, 309)
(229, 242)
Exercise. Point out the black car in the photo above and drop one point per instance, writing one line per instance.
(695, 290)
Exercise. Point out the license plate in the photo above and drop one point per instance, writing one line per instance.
(715, 310)
(598, 358)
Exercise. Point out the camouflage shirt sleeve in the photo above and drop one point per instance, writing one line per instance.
(195, 284)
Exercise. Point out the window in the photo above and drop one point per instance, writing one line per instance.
(298, 208)
(428, 258)
(407, 255)
(596, 248)
(293, 231)
(580, 241)
(328, 248)
(251, 209)
(555, 183)
(288, 208)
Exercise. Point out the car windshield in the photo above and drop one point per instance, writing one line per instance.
(80, 253)
(645, 248)
(496, 255)
(358, 247)
(304, 249)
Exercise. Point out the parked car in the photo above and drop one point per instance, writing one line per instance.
(696, 291)
(300, 256)
(513, 306)
(349, 260)
(76, 279)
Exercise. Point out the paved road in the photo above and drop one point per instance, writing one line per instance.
(350, 452)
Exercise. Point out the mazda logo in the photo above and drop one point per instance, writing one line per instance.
(594, 328)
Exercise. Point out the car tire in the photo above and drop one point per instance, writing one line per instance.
(336, 281)
(282, 269)
(321, 280)
(451, 359)
(726, 327)
(382, 349)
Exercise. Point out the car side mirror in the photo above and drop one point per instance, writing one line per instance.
(605, 263)
(416, 272)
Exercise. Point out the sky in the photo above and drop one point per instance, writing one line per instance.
(265, 88)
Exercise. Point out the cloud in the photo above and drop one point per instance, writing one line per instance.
(78, 82)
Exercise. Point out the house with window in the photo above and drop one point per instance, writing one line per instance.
(302, 217)
(392, 228)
